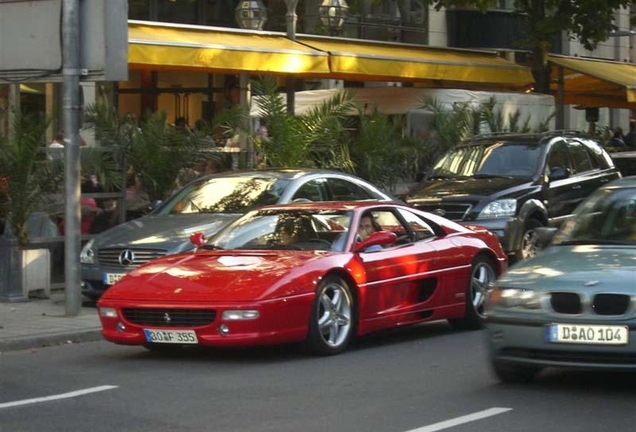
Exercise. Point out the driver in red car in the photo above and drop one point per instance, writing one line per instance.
(368, 226)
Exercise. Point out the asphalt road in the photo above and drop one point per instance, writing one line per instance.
(420, 379)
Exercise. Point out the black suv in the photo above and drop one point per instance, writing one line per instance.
(514, 183)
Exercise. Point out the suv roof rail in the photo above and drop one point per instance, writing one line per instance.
(544, 133)
(564, 132)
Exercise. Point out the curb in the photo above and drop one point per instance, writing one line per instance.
(26, 343)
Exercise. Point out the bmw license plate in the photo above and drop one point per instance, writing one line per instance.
(111, 278)
(587, 334)
(171, 336)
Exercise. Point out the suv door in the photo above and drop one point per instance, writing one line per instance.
(586, 167)
(562, 184)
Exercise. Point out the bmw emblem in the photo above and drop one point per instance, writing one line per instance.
(127, 257)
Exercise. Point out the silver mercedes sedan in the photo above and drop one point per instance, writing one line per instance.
(207, 205)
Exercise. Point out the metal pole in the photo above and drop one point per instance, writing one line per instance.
(560, 107)
(291, 19)
(70, 112)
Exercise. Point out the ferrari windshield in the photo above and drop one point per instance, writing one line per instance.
(230, 194)
(499, 159)
(306, 229)
(607, 217)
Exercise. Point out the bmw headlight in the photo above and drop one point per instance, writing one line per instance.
(513, 298)
(498, 209)
(87, 256)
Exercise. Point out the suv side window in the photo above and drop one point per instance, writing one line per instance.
(581, 160)
(342, 190)
(559, 156)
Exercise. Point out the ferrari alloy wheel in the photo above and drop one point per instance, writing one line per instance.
(482, 276)
(332, 317)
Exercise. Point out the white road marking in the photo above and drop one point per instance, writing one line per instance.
(461, 420)
(56, 397)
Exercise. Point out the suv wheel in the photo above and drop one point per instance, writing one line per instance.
(528, 246)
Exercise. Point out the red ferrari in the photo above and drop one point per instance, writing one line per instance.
(321, 273)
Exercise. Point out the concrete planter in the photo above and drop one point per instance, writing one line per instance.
(23, 272)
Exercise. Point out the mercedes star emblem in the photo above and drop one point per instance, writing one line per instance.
(127, 257)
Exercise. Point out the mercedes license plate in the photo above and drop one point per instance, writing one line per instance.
(111, 278)
(587, 334)
(171, 336)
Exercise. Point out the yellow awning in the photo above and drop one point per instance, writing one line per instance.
(595, 83)
(164, 46)
(361, 60)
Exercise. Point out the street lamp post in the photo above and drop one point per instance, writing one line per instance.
(333, 14)
(251, 14)
(291, 19)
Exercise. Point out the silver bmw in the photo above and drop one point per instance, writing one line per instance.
(574, 304)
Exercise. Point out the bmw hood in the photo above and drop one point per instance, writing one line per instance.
(467, 189)
(605, 267)
(218, 277)
(167, 232)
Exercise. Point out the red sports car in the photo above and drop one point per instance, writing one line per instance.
(321, 273)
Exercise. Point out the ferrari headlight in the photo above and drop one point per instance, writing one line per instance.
(238, 315)
(87, 256)
(108, 312)
(499, 209)
(518, 298)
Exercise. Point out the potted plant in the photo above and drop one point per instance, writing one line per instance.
(26, 177)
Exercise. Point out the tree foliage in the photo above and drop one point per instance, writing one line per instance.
(588, 21)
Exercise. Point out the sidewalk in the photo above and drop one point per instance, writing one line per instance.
(43, 322)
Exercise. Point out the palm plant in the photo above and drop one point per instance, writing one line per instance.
(313, 139)
(26, 174)
(154, 150)
(380, 152)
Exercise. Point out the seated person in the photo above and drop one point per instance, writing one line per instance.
(367, 226)
(291, 230)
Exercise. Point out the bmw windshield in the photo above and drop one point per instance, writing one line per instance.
(607, 217)
(499, 159)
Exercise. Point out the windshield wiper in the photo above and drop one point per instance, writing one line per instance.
(211, 247)
(485, 176)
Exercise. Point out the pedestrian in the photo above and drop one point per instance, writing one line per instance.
(630, 138)
(58, 141)
(617, 139)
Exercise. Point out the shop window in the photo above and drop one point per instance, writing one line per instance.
(178, 11)
(139, 9)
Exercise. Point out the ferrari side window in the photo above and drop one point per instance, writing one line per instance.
(388, 221)
(420, 227)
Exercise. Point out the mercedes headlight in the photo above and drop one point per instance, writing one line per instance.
(513, 298)
(499, 209)
(87, 256)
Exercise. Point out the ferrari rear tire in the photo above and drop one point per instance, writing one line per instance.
(482, 275)
(332, 321)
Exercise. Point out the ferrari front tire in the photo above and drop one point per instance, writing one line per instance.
(332, 320)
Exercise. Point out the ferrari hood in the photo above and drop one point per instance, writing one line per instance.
(215, 276)
(573, 267)
(166, 232)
